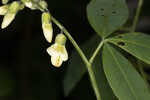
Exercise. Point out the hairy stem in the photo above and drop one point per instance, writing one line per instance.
(84, 58)
(140, 4)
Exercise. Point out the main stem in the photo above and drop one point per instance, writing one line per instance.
(140, 4)
(84, 58)
(93, 81)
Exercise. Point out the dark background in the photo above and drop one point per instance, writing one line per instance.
(26, 72)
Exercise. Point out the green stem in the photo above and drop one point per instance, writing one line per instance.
(93, 81)
(140, 3)
(142, 72)
(84, 58)
(96, 52)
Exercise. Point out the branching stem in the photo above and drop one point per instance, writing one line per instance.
(96, 52)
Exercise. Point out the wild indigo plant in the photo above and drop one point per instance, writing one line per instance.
(111, 74)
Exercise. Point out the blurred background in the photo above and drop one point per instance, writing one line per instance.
(26, 72)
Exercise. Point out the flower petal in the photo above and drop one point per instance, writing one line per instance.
(52, 50)
(56, 61)
(64, 54)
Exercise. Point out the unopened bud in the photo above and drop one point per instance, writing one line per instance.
(47, 26)
(30, 4)
(14, 7)
(5, 1)
(46, 17)
(43, 4)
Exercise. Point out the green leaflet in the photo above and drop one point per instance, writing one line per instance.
(105, 90)
(137, 44)
(106, 16)
(126, 83)
(76, 70)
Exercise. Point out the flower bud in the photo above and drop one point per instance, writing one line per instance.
(4, 9)
(47, 26)
(5, 1)
(14, 7)
(46, 17)
(30, 4)
(11, 13)
(43, 4)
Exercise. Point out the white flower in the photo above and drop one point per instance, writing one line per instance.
(58, 54)
(4, 9)
(47, 26)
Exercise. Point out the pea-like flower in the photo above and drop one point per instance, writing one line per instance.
(57, 51)
(47, 26)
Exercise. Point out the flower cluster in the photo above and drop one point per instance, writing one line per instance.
(57, 51)
(9, 12)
